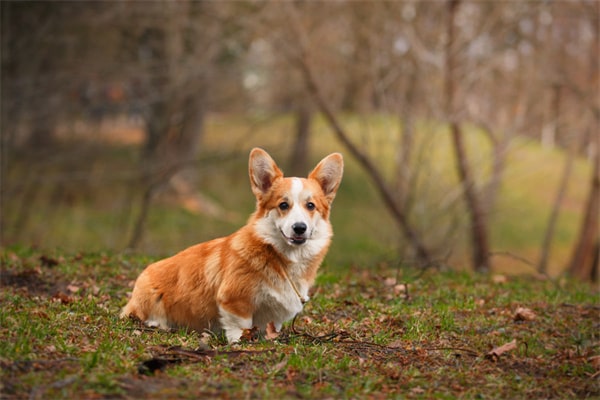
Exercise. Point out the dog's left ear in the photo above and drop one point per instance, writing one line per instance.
(329, 174)
(263, 171)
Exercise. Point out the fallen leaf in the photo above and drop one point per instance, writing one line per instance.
(291, 373)
(401, 290)
(63, 298)
(205, 339)
(390, 281)
(50, 348)
(499, 279)
(250, 335)
(524, 314)
(73, 288)
(496, 352)
(48, 261)
(417, 390)
(40, 313)
(271, 331)
(595, 361)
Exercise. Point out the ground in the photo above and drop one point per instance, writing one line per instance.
(372, 331)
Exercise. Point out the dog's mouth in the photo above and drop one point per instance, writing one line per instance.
(294, 239)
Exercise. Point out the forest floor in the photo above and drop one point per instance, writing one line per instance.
(373, 332)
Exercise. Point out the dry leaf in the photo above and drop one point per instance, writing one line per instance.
(524, 314)
(499, 279)
(63, 298)
(48, 261)
(401, 288)
(50, 348)
(595, 361)
(95, 289)
(73, 288)
(271, 332)
(250, 335)
(496, 352)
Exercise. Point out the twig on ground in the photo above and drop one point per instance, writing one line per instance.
(470, 352)
(328, 337)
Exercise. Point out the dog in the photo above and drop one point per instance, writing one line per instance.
(258, 276)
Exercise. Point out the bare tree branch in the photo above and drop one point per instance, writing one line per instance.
(303, 62)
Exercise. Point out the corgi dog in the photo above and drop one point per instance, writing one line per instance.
(257, 276)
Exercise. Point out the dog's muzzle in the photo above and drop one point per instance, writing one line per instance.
(299, 235)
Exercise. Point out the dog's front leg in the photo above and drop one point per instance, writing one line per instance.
(233, 324)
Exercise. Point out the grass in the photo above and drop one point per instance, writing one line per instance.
(379, 332)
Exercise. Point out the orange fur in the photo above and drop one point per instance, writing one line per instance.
(243, 280)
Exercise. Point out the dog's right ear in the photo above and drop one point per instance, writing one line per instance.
(263, 171)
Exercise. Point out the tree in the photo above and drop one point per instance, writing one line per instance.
(584, 262)
(301, 57)
(476, 81)
(478, 222)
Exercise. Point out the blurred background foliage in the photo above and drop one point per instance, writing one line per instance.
(469, 129)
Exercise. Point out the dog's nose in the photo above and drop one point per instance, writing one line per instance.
(299, 228)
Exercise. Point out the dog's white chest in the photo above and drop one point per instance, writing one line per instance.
(279, 304)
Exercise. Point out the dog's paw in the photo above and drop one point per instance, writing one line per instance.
(152, 323)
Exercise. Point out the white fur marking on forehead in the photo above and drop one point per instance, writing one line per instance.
(297, 187)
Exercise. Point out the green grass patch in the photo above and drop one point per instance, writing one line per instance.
(375, 332)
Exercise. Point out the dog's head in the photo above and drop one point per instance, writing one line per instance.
(293, 213)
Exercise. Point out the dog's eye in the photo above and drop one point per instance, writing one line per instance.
(284, 206)
(310, 206)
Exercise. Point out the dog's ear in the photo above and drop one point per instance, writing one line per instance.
(263, 171)
(329, 174)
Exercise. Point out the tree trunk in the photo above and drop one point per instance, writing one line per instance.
(301, 59)
(478, 221)
(422, 253)
(300, 149)
(404, 170)
(174, 124)
(168, 158)
(562, 189)
(584, 261)
(184, 141)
